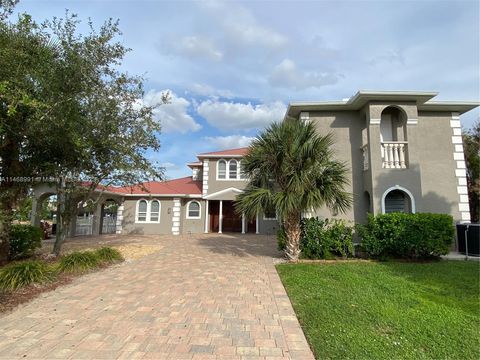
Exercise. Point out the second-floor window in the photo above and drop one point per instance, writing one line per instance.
(221, 169)
(229, 170)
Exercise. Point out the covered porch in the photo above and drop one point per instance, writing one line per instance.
(221, 216)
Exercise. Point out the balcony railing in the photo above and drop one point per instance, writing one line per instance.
(394, 154)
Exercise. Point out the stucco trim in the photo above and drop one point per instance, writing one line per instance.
(176, 216)
(406, 191)
(460, 172)
(119, 223)
(224, 191)
(205, 177)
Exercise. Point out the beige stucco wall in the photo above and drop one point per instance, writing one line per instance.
(193, 226)
(129, 226)
(435, 151)
(346, 127)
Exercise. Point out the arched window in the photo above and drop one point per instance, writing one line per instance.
(240, 170)
(398, 199)
(154, 211)
(232, 169)
(142, 209)
(221, 169)
(193, 210)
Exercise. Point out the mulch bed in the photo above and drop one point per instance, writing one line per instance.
(10, 300)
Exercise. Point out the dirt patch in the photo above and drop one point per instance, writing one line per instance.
(136, 251)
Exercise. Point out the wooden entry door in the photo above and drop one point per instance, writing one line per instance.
(214, 210)
(231, 221)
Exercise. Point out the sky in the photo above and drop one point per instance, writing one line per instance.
(232, 67)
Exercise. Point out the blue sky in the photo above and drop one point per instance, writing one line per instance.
(233, 67)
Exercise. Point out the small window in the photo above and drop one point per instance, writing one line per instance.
(193, 210)
(221, 169)
(154, 211)
(270, 214)
(142, 210)
(232, 169)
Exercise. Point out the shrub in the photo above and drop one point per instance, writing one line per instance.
(20, 274)
(281, 238)
(24, 239)
(421, 235)
(324, 239)
(108, 255)
(79, 261)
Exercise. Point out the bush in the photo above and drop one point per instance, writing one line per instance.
(24, 239)
(79, 261)
(108, 255)
(421, 235)
(20, 274)
(325, 239)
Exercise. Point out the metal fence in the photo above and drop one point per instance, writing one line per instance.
(468, 236)
(85, 225)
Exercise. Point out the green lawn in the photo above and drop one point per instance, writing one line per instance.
(390, 310)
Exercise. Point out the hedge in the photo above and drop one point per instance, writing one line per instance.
(421, 235)
(24, 239)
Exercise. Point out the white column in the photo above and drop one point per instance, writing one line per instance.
(207, 217)
(402, 156)
(257, 227)
(243, 223)
(220, 217)
(396, 158)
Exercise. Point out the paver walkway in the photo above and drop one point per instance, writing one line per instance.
(200, 297)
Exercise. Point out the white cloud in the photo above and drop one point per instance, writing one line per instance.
(229, 142)
(229, 115)
(207, 90)
(193, 46)
(240, 26)
(172, 116)
(287, 75)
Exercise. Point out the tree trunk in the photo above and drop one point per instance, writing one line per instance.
(293, 232)
(63, 218)
(5, 222)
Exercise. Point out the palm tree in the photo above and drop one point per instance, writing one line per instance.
(290, 168)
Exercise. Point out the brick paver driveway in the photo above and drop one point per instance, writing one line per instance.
(200, 297)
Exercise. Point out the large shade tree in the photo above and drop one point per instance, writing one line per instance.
(291, 168)
(69, 114)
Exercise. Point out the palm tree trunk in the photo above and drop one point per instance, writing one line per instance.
(293, 232)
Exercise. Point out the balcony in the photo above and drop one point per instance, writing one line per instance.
(394, 154)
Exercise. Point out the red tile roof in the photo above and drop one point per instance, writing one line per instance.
(240, 152)
(176, 186)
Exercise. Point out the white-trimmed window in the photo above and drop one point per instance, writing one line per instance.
(270, 214)
(221, 169)
(233, 169)
(193, 210)
(154, 211)
(147, 211)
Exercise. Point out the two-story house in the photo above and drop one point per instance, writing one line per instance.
(403, 149)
